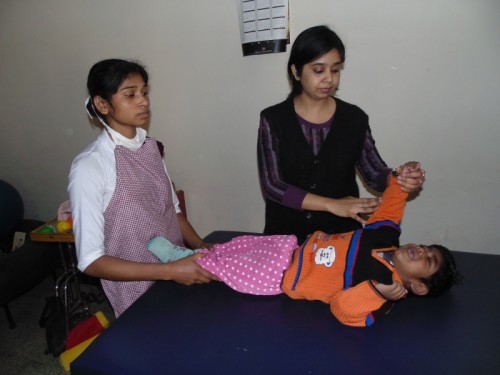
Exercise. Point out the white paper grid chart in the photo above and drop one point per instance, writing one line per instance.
(264, 26)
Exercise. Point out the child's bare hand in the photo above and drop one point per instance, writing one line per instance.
(393, 292)
(411, 176)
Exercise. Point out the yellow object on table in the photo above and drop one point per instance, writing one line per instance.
(63, 226)
(48, 233)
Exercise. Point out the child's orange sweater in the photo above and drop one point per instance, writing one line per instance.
(342, 269)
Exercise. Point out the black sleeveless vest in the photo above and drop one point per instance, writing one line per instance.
(331, 173)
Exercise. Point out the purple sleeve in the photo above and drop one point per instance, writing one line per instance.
(371, 166)
(273, 186)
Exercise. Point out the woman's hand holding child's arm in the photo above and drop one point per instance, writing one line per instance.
(411, 177)
(344, 207)
(352, 207)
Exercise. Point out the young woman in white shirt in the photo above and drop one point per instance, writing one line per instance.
(121, 194)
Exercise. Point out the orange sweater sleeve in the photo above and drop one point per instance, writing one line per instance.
(393, 204)
(353, 306)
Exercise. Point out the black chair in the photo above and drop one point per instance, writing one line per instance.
(30, 264)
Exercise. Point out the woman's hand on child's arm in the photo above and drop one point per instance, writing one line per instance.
(344, 207)
(411, 176)
(352, 207)
(393, 292)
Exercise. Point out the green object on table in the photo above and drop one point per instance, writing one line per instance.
(47, 229)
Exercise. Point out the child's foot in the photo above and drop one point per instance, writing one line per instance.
(166, 251)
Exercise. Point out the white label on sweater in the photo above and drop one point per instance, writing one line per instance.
(325, 256)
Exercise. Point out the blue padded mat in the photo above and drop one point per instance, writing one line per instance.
(211, 329)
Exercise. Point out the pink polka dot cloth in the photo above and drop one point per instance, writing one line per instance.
(251, 264)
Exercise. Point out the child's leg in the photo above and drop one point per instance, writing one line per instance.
(166, 251)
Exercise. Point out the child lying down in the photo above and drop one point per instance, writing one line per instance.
(359, 274)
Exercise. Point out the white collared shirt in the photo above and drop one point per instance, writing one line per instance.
(92, 182)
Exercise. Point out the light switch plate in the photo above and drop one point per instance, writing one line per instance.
(19, 238)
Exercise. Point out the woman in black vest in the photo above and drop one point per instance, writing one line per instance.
(310, 146)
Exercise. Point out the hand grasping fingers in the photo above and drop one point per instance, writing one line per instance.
(411, 176)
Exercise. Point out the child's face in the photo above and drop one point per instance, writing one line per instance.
(129, 107)
(416, 262)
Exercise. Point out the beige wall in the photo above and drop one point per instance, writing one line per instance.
(425, 71)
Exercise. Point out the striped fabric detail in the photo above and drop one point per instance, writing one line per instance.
(369, 320)
(299, 265)
(388, 223)
(352, 254)
(315, 134)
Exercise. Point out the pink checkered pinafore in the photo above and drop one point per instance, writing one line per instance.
(141, 208)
